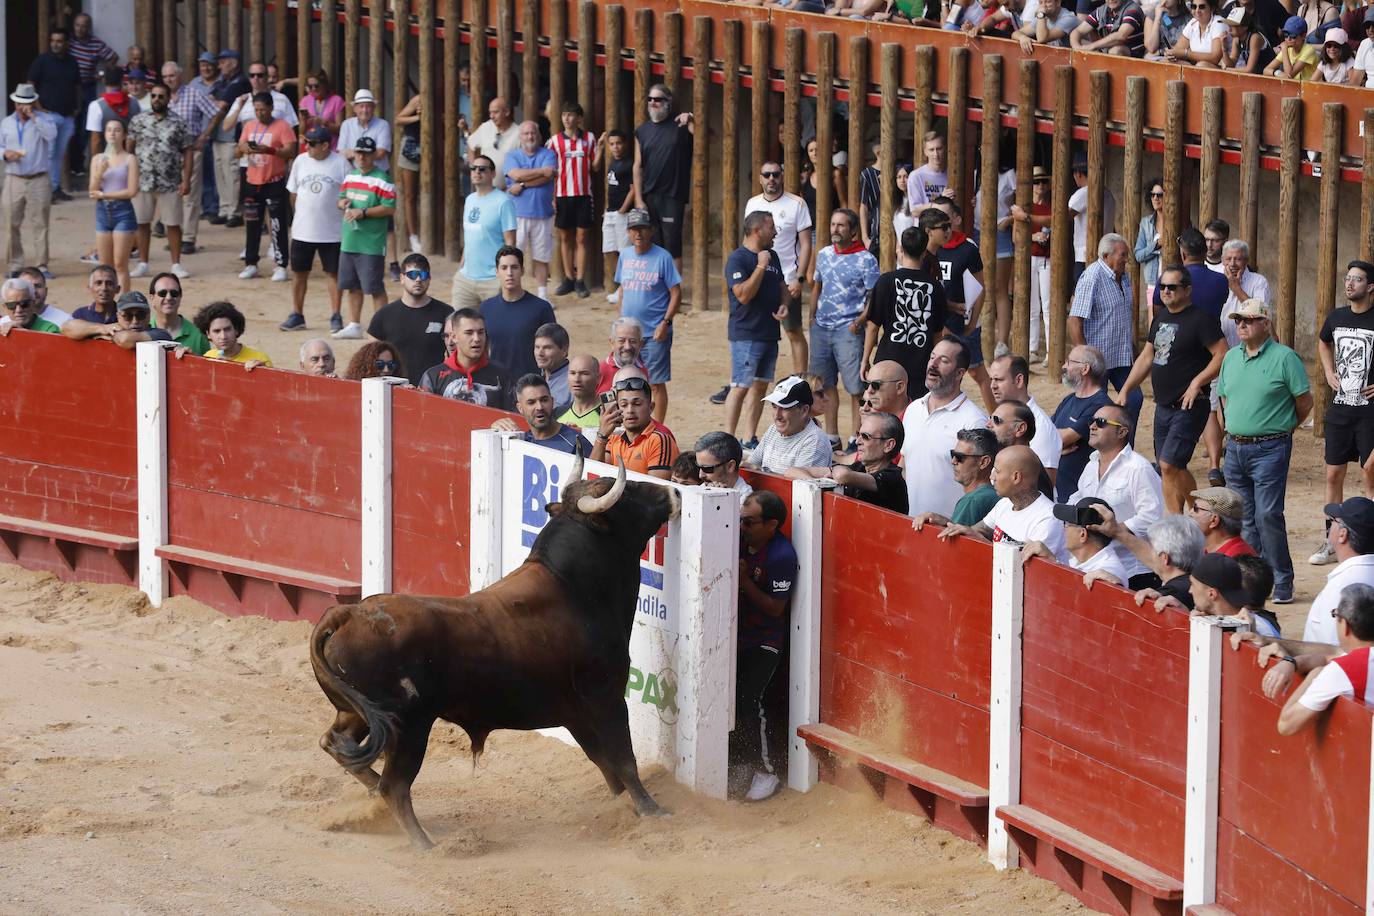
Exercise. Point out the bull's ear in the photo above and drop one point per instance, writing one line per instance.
(554, 508)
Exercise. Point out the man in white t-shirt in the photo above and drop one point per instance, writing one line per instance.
(1023, 514)
(1078, 205)
(792, 222)
(1346, 674)
(931, 426)
(365, 123)
(314, 185)
(495, 137)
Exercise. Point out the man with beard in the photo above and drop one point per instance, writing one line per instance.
(414, 323)
(466, 374)
(908, 308)
(627, 340)
(932, 424)
(971, 460)
(846, 273)
(530, 172)
(642, 443)
(535, 404)
(663, 169)
(165, 146)
(792, 242)
(755, 282)
(1084, 374)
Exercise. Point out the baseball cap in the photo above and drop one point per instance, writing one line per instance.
(637, 217)
(231, 54)
(1294, 26)
(321, 134)
(133, 299)
(1250, 308)
(1369, 16)
(1069, 514)
(205, 57)
(790, 392)
(1218, 571)
(363, 95)
(135, 73)
(1356, 513)
(1223, 500)
(365, 145)
(1336, 37)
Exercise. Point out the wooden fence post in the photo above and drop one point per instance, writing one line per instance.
(1367, 189)
(255, 42)
(1099, 99)
(795, 50)
(858, 104)
(434, 152)
(1061, 225)
(701, 159)
(644, 72)
(190, 48)
(887, 158)
(376, 59)
(281, 38)
(1022, 281)
(211, 19)
(233, 24)
(825, 129)
(558, 53)
(400, 75)
(304, 26)
(352, 13)
(505, 56)
(145, 24)
(615, 52)
(1252, 120)
(1290, 164)
(925, 83)
(1133, 180)
(168, 31)
(329, 28)
(957, 142)
(479, 90)
(731, 42)
(1175, 213)
(1210, 166)
(988, 174)
(1328, 230)
(759, 47)
(672, 55)
(529, 65)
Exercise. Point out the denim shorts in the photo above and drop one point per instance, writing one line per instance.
(752, 361)
(1177, 432)
(955, 325)
(115, 216)
(836, 354)
(658, 357)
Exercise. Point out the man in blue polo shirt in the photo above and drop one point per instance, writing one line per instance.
(651, 292)
(535, 403)
(530, 173)
(754, 281)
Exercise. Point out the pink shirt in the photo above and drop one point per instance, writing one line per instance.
(329, 111)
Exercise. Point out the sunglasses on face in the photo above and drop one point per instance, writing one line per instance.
(479, 168)
(941, 227)
(1172, 287)
(1248, 321)
(631, 384)
(657, 99)
(167, 293)
(312, 85)
(959, 457)
(874, 384)
(709, 468)
(1156, 193)
(417, 275)
(771, 174)
(22, 303)
(385, 365)
(1103, 423)
(997, 421)
(256, 76)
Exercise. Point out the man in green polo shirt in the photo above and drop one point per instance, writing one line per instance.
(1264, 396)
(165, 293)
(21, 309)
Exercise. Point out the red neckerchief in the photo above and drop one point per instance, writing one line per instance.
(119, 101)
(452, 362)
(852, 249)
(955, 240)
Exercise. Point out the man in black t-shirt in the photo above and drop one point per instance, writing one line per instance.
(908, 307)
(663, 169)
(1346, 347)
(874, 476)
(615, 237)
(414, 323)
(754, 283)
(1182, 355)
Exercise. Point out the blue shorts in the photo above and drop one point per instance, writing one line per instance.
(955, 325)
(752, 361)
(1005, 248)
(1177, 432)
(658, 358)
(836, 355)
(115, 216)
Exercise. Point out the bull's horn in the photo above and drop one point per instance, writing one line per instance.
(576, 468)
(591, 505)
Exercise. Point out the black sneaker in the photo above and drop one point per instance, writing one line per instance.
(582, 291)
(189, 248)
(215, 220)
(159, 230)
(234, 222)
(565, 287)
(720, 396)
(395, 269)
(293, 322)
(61, 195)
(336, 322)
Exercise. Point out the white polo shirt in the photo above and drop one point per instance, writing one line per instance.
(930, 484)
(1134, 491)
(790, 218)
(1321, 626)
(1047, 445)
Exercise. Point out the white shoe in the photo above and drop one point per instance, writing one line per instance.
(415, 246)
(243, 253)
(613, 297)
(280, 275)
(543, 293)
(764, 786)
(1323, 557)
(271, 251)
(350, 331)
(181, 272)
(248, 272)
(140, 269)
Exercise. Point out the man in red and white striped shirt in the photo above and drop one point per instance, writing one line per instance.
(579, 154)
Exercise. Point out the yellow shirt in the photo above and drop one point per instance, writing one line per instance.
(243, 356)
(1308, 55)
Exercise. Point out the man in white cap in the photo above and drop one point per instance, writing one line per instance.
(27, 194)
(365, 123)
(792, 440)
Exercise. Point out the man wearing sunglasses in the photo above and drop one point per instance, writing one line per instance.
(131, 325)
(792, 242)
(20, 309)
(1009, 376)
(663, 169)
(873, 477)
(414, 323)
(166, 294)
(1264, 396)
(46, 310)
(488, 225)
(719, 457)
(885, 389)
(971, 460)
(165, 147)
(643, 443)
(1023, 514)
(317, 227)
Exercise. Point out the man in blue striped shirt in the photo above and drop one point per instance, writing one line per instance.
(1101, 315)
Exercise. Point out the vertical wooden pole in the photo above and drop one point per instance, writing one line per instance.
(376, 60)
(480, 90)
(672, 55)
(329, 31)
(925, 83)
(1021, 232)
(255, 26)
(281, 39)
(615, 71)
(211, 17)
(145, 22)
(758, 100)
(400, 67)
(1367, 189)
(304, 28)
(732, 41)
(168, 49)
(438, 146)
(858, 107)
(644, 72)
(890, 75)
(505, 54)
(791, 110)
(586, 56)
(190, 48)
(1328, 231)
(1133, 179)
(1290, 164)
(1209, 176)
(352, 16)
(233, 25)
(1099, 99)
(44, 11)
(825, 128)
(1061, 224)
(1175, 213)
(558, 53)
(701, 159)
(957, 141)
(1252, 121)
(529, 65)
(987, 174)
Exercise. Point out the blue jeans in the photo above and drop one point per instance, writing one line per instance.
(1258, 471)
(1136, 400)
(66, 127)
(209, 195)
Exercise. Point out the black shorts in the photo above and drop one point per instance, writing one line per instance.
(572, 212)
(1348, 438)
(303, 256)
(667, 213)
(1177, 432)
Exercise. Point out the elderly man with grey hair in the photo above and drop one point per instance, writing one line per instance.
(1171, 547)
(627, 342)
(20, 308)
(1101, 315)
(719, 457)
(317, 358)
(1084, 373)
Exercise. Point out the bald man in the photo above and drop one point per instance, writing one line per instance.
(495, 137)
(584, 373)
(886, 388)
(1023, 514)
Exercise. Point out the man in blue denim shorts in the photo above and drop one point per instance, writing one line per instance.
(845, 275)
(650, 292)
(754, 279)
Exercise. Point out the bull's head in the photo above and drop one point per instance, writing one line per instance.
(641, 503)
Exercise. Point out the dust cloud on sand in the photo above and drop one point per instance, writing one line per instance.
(167, 761)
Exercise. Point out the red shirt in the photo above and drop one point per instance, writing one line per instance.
(574, 163)
(1236, 547)
(609, 368)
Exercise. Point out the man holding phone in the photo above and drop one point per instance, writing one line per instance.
(1089, 550)
(269, 143)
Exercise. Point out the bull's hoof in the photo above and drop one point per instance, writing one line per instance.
(652, 808)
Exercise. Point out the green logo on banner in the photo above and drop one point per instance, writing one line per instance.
(656, 690)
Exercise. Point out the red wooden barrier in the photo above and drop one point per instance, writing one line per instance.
(68, 458)
(263, 488)
(1294, 811)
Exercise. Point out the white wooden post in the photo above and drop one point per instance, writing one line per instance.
(376, 484)
(484, 537)
(1004, 741)
(151, 392)
(804, 698)
(1206, 635)
(707, 593)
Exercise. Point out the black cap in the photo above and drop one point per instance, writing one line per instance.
(1357, 514)
(790, 392)
(1069, 514)
(1222, 573)
(365, 145)
(132, 300)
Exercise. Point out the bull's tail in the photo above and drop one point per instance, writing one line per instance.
(381, 725)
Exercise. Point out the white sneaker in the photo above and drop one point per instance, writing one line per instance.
(350, 331)
(764, 786)
(140, 269)
(243, 253)
(181, 272)
(271, 251)
(280, 275)
(1323, 557)
(613, 297)
(415, 246)
(248, 272)
(543, 293)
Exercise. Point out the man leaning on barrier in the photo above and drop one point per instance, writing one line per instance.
(133, 324)
(873, 477)
(1089, 550)
(534, 401)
